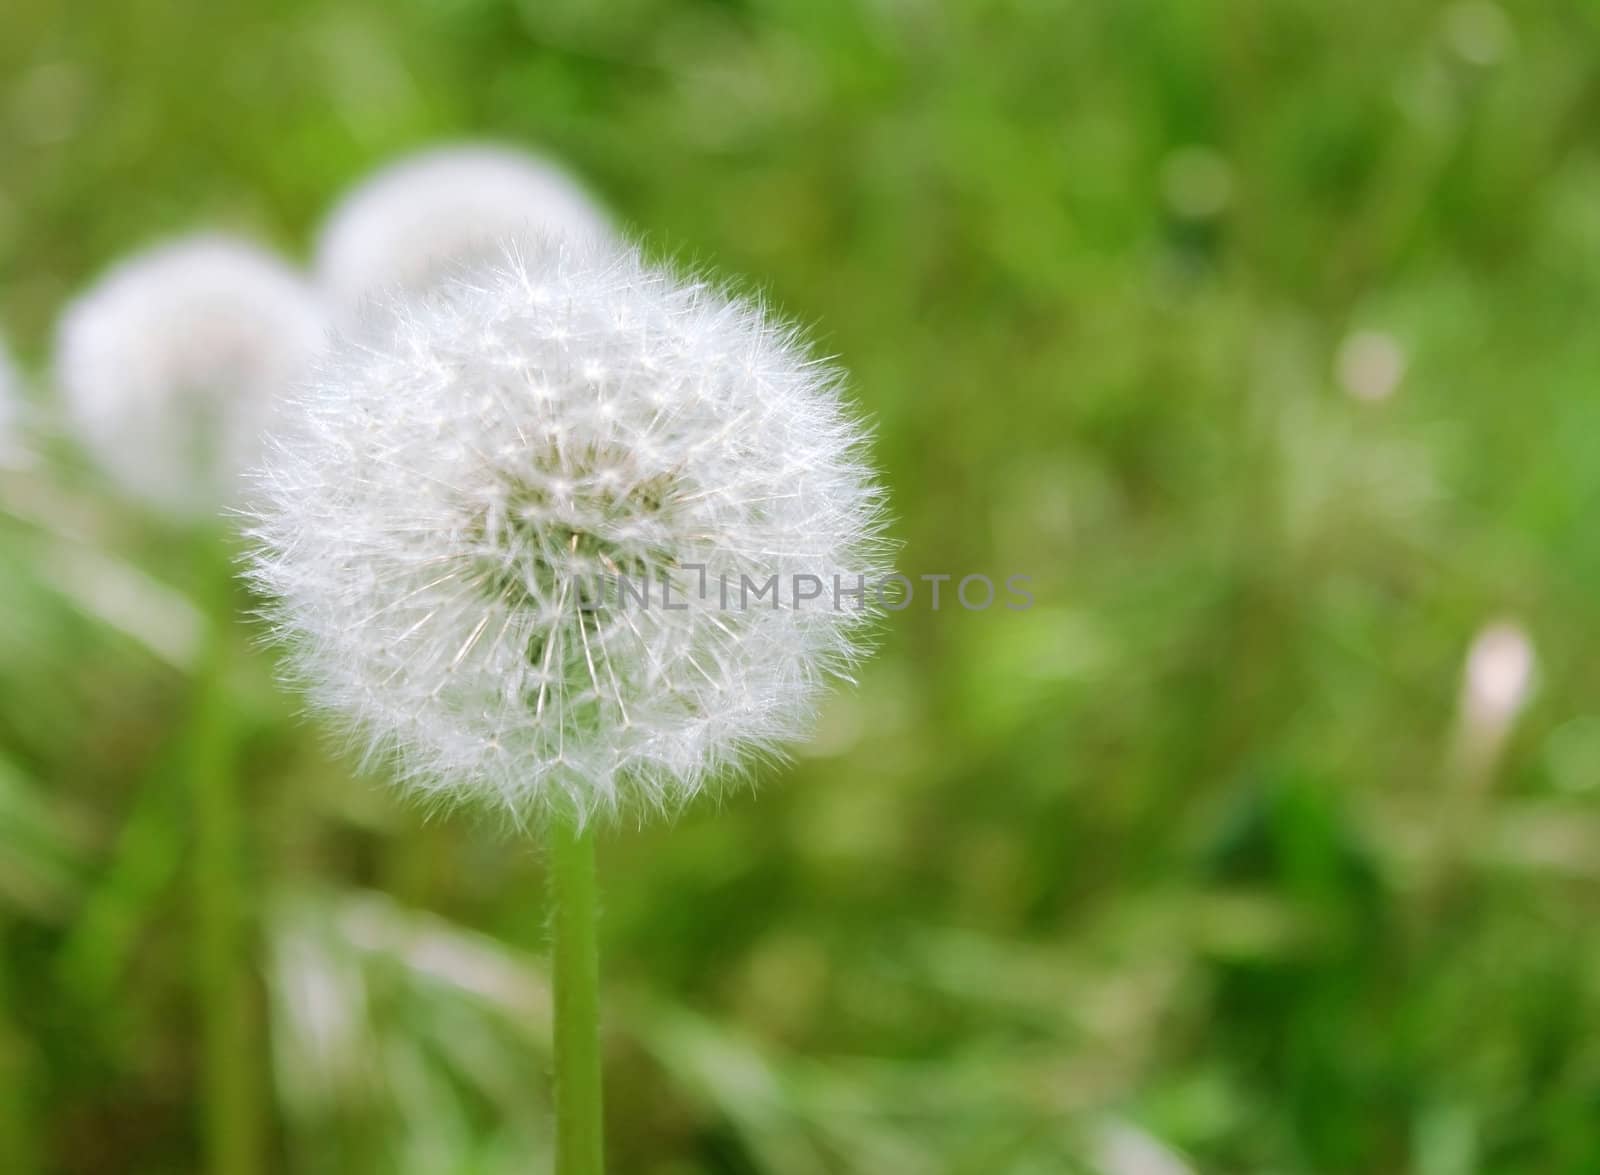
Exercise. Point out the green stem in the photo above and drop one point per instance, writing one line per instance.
(231, 1124)
(17, 1152)
(575, 970)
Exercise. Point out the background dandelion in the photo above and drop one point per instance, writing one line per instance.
(172, 364)
(1497, 683)
(418, 220)
(172, 367)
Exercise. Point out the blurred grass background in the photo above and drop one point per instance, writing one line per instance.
(1147, 879)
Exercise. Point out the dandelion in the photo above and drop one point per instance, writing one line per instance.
(509, 538)
(172, 365)
(457, 530)
(1370, 365)
(417, 220)
(1497, 683)
(1495, 686)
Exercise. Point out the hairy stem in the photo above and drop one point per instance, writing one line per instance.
(575, 970)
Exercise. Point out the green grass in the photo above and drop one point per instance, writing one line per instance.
(1151, 855)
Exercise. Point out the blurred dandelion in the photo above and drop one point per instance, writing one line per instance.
(1497, 681)
(465, 479)
(1495, 686)
(1370, 365)
(172, 366)
(417, 220)
(173, 363)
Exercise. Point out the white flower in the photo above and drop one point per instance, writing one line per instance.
(416, 221)
(483, 479)
(1370, 365)
(1498, 679)
(173, 364)
(1497, 683)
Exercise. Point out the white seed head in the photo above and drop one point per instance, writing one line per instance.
(1499, 675)
(174, 363)
(483, 478)
(1497, 683)
(1370, 365)
(418, 220)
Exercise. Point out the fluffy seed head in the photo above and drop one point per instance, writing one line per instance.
(417, 220)
(1499, 675)
(173, 364)
(482, 481)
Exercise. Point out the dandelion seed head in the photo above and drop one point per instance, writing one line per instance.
(418, 220)
(481, 479)
(1499, 674)
(1370, 365)
(172, 365)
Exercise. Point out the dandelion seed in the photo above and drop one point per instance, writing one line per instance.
(173, 364)
(419, 220)
(432, 529)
